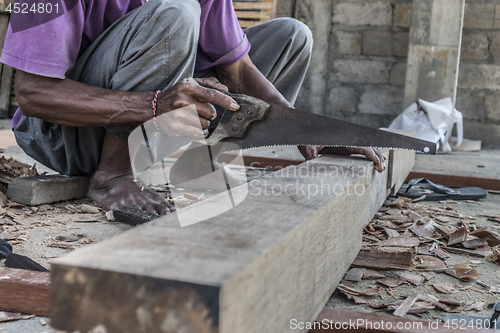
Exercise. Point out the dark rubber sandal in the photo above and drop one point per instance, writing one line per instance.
(419, 187)
(133, 216)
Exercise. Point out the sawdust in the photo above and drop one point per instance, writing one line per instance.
(454, 254)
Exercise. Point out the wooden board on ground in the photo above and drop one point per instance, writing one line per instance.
(278, 255)
(463, 169)
(24, 291)
(454, 180)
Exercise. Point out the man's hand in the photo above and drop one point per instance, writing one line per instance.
(373, 154)
(190, 92)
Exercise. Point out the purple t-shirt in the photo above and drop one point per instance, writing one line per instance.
(51, 48)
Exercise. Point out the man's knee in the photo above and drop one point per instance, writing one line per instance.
(184, 14)
(299, 32)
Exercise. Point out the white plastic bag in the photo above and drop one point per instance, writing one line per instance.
(433, 122)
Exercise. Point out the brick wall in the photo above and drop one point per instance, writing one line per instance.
(358, 70)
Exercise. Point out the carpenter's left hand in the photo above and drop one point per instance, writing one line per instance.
(373, 154)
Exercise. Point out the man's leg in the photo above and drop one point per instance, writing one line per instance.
(281, 50)
(151, 48)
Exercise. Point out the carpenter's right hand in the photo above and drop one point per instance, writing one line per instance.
(186, 122)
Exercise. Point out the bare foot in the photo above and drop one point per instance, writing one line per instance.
(113, 186)
(197, 168)
(118, 190)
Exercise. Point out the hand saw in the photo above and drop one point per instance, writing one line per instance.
(259, 124)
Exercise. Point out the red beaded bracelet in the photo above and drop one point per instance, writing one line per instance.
(155, 100)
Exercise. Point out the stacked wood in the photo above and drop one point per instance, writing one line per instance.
(251, 13)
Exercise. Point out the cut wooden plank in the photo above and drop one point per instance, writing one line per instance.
(24, 291)
(277, 255)
(454, 180)
(341, 320)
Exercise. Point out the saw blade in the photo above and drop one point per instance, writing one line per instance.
(284, 126)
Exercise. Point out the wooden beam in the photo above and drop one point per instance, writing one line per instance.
(277, 255)
(24, 291)
(366, 322)
(453, 180)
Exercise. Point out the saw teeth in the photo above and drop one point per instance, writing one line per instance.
(340, 146)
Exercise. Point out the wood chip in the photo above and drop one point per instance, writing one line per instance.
(458, 236)
(403, 309)
(479, 252)
(442, 218)
(391, 281)
(412, 278)
(72, 209)
(442, 254)
(400, 241)
(450, 262)
(492, 238)
(421, 307)
(428, 275)
(422, 198)
(354, 291)
(88, 218)
(425, 230)
(10, 316)
(70, 238)
(452, 302)
(475, 305)
(87, 209)
(376, 305)
(429, 263)
(443, 287)
(354, 274)
(415, 217)
(384, 261)
(62, 246)
(110, 217)
(495, 257)
(371, 274)
(475, 243)
(391, 233)
(446, 231)
(464, 272)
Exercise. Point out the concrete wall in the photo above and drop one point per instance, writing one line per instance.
(359, 64)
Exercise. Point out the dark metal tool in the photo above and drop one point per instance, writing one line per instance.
(258, 124)
(18, 261)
